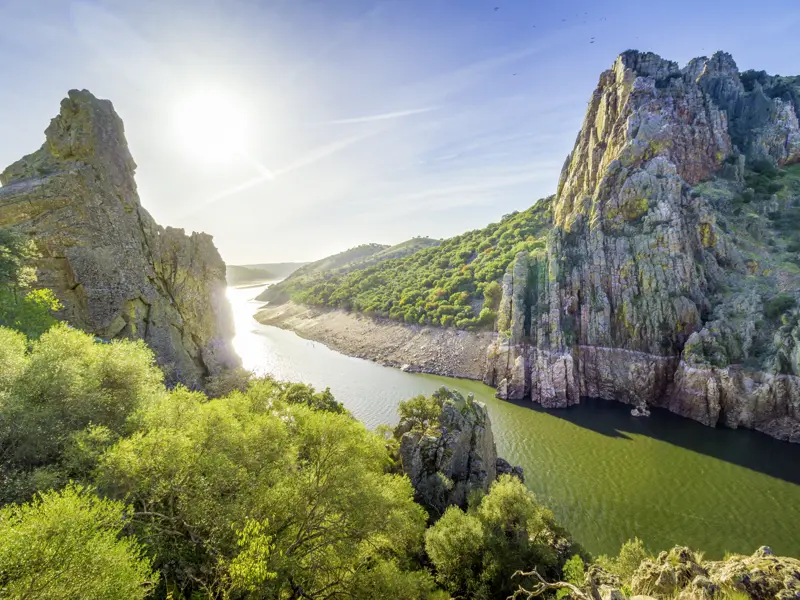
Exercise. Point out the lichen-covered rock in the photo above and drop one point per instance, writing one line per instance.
(600, 584)
(455, 456)
(680, 573)
(116, 272)
(657, 286)
(760, 576)
(669, 573)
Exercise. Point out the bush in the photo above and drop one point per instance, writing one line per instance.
(69, 545)
(58, 395)
(631, 555)
(779, 305)
(475, 553)
(420, 412)
(313, 480)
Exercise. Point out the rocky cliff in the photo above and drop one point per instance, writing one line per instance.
(670, 275)
(451, 454)
(114, 269)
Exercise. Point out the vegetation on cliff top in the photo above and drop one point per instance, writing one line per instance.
(454, 284)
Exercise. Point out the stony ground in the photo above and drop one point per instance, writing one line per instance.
(420, 349)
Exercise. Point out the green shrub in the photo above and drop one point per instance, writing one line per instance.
(779, 304)
(56, 398)
(476, 552)
(69, 544)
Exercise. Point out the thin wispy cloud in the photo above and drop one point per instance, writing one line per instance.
(364, 118)
(381, 117)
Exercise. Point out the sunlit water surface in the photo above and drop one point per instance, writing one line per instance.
(607, 475)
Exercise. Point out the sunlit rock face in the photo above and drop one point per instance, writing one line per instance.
(653, 285)
(456, 457)
(117, 272)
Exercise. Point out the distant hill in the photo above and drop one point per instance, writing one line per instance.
(239, 275)
(360, 257)
(278, 270)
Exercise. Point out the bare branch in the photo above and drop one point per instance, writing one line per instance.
(542, 586)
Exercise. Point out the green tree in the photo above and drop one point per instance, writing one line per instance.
(67, 396)
(419, 412)
(313, 480)
(624, 565)
(492, 294)
(455, 545)
(68, 544)
(23, 309)
(573, 572)
(476, 553)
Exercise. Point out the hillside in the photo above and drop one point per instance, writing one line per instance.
(279, 270)
(665, 271)
(340, 264)
(238, 275)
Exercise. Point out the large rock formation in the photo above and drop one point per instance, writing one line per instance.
(672, 245)
(114, 269)
(452, 454)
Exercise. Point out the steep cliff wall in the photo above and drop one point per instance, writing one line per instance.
(115, 270)
(669, 245)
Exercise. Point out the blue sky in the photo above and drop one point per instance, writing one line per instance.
(375, 120)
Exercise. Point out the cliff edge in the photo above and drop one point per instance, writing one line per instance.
(117, 272)
(670, 274)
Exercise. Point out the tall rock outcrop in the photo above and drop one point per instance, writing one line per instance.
(451, 455)
(669, 244)
(117, 273)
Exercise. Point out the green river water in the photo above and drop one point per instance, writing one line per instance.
(608, 476)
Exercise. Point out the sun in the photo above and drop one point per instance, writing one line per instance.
(212, 126)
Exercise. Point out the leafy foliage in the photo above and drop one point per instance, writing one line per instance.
(63, 401)
(196, 471)
(421, 412)
(477, 552)
(443, 285)
(624, 565)
(573, 572)
(779, 304)
(23, 309)
(68, 544)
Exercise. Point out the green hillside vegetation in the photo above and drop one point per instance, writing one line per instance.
(353, 259)
(454, 284)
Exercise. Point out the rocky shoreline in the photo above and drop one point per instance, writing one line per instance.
(413, 348)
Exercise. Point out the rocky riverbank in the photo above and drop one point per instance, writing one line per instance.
(448, 352)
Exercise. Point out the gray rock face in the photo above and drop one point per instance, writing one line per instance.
(457, 456)
(117, 273)
(652, 269)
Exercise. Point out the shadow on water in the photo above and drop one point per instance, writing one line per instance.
(743, 447)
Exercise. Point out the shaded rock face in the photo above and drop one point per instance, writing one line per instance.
(117, 273)
(644, 274)
(445, 463)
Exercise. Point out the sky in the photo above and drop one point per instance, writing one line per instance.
(355, 121)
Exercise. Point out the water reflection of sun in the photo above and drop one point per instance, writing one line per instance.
(246, 342)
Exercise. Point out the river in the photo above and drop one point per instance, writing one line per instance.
(608, 476)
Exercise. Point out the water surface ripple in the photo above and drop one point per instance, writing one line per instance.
(607, 475)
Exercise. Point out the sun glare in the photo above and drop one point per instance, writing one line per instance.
(212, 126)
